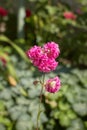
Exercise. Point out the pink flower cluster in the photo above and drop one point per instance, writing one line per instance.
(44, 57)
(53, 85)
(3, 12)
(69, 15)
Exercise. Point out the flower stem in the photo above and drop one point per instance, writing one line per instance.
(39, 109)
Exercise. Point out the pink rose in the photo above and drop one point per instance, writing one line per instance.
(47, 64)
(69, 15)
(3, 12)
(35, 53)
(44, 57)
(28, 13)
(53, 85)
(52, 49)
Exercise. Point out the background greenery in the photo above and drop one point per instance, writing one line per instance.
(19, 98)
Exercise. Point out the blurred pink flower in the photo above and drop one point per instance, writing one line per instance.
(51, 49)
(79, 11)
(3, 60)
(69, 15)
(53, 85)
(28, 13)
(3, 12)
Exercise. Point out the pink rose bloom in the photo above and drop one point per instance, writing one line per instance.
(69, 15)
(44, 57)
(79, 11)
(53, 85)
(51, 49)
(28, 13)
(3, 12)
(46, 64)
(35, 54)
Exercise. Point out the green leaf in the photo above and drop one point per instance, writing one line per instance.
(17, 48)
(2, 105)
(11, 70)
(64, 120)
(51, 10)
(2, 127)
(76, 125)
(5, 121)
(80, 108)
(23, 92)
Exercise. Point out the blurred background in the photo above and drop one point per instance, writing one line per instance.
(24, 23)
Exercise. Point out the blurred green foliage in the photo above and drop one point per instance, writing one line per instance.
(48, 24)
(66, 109)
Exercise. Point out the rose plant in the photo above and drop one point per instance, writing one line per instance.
(44, 59)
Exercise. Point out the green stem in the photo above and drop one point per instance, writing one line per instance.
(39, 110)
